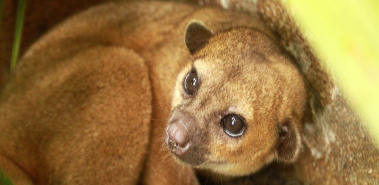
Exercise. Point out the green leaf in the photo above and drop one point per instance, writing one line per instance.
(1, 12)
(4, 180)
(18, 32)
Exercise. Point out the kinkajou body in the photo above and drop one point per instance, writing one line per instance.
(90, 101)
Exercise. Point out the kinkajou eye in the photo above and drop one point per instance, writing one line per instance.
(233, 125)
(191, 83)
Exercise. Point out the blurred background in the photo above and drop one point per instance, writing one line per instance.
(346, 35)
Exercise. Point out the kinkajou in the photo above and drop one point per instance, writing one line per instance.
(95, 99)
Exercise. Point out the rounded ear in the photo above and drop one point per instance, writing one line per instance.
(289, 142)
(197, 35)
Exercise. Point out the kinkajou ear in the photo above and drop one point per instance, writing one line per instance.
(289, 142)
(197, 35)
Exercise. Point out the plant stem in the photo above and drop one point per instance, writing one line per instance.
(18, 32)
(1, 12)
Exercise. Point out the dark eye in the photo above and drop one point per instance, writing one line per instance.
(191, 83)
(233, 125)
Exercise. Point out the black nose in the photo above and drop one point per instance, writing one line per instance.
(177, 138)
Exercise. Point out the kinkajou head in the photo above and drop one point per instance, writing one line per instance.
(238, 103)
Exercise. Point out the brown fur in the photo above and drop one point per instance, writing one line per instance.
(89, 102)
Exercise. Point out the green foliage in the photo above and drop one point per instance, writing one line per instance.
(345, 34)
(4, 179)
(17, 39)
(1, 11)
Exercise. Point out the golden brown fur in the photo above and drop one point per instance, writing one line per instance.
(89, 102)
(249, 76)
